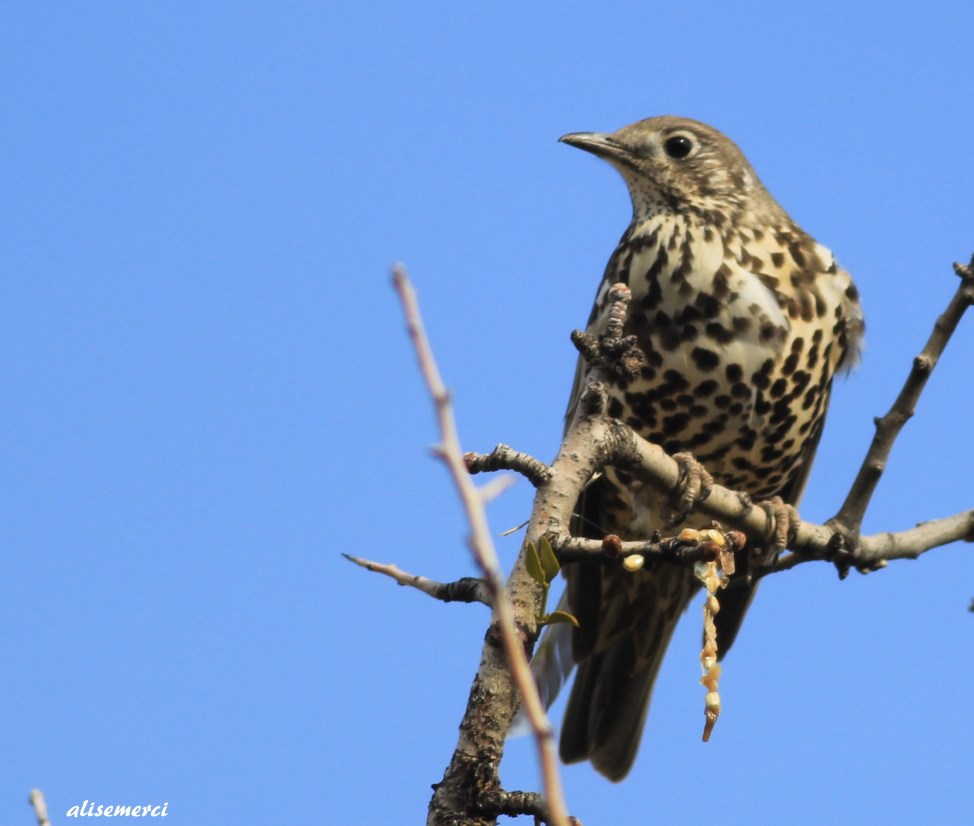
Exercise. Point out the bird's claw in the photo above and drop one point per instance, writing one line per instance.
(782, 524)
(695, 485)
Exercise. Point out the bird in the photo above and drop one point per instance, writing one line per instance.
(744, 320)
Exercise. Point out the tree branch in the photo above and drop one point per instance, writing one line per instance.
(504, 458)
(470, 791)
(687, 549)
(513, 804)
(37, 803)
(592, 443)
(473, 768)
(465, 589)
(850, 515)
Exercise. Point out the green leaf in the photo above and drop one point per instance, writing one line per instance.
(533, 564)
(549, 562)
(558, 616)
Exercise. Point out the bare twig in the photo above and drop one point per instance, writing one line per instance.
(675, 549)
(513, 804)
(611, 353)
(593, 442)
(814, 543)
(875, 550)
(466, 589)
(503, 457)
(37, 803)
(495, 487)
(483, 549)
(849, 517)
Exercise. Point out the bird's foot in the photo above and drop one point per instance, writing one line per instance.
(694, 486)
(782, 524)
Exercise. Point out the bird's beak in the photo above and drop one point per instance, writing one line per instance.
(601, 145)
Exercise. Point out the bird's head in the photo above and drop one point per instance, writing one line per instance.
(673, 164)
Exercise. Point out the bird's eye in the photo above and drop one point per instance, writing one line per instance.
(679, 146)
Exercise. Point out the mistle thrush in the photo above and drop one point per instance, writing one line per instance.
(744, 320)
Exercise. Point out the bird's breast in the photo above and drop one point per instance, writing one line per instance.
(733, 375)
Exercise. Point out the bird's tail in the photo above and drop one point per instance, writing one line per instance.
(610, 697)
(607, 708)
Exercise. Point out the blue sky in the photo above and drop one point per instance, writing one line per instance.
(208, 393)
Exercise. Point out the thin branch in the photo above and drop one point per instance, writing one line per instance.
(483, 549)
(466, 589)
(37, 803)
(888, 427)
(813, 543)
(876, 550)
(503, 457)
(611, 442)
(495, 487)
(514, 804)
(676, 550)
